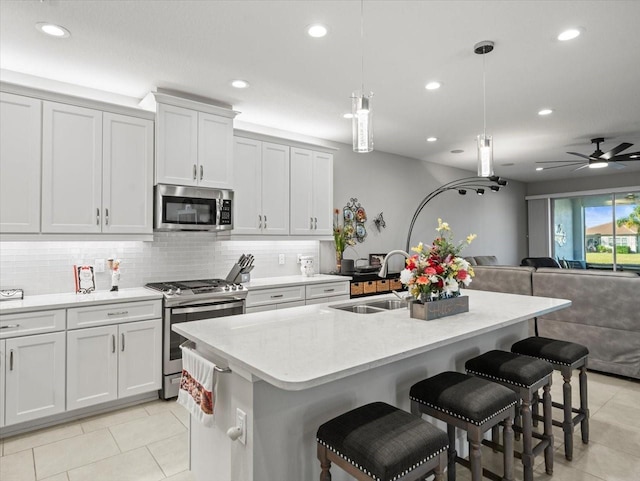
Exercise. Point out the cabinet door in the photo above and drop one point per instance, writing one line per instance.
(215, 151)
(275, 189)
(177, 145)
(140, 361)
(2, 363)
(35, 377)
(247, 198)
(92, 366)
(301, 192)
(71, 169)
(20, 153)
(127, 175)
(322, 193)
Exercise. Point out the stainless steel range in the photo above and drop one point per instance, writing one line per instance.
(186, 301)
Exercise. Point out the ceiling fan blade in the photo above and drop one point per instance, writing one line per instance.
(580, 168)
(615, 150)
(580, 155)
(558, 161)
(566, 165)
(628, 156)
(617, 165)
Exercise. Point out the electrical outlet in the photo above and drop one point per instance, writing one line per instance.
(298, 258)
(99, 265)
(280, 259)
(241, 422)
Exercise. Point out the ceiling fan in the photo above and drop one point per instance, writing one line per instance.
(597, 159)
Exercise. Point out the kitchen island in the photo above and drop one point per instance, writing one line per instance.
(294, 369)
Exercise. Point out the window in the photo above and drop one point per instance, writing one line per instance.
(600, 230)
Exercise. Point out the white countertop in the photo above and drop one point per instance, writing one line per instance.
(64, 300)
(268, 282)
(303, 347)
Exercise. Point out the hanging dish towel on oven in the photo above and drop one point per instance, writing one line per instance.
(197, 386)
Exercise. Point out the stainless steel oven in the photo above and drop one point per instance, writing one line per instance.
(186, 301)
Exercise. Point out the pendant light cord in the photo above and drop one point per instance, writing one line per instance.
(362, 46)
(484, 94)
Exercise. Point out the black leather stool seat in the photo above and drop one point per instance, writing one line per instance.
(508, 367)
(469, 398)
(382, 441)
(552, 350)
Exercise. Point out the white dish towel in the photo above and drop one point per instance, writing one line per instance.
(197, 386)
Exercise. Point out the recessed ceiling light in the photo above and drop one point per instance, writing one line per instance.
(240, 84)
(539, 168)
(348, 116)
(53, 30)
(569, 34)
(432, 139)
(457, 151)
(433, 85)
(317, 31)
(545, 112)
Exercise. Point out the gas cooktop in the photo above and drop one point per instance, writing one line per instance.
(208, 287)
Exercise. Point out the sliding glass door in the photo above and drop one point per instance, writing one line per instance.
(597, 231)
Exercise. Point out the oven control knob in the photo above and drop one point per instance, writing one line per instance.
(234, 287)
(178, 291)
(171, 291)
(227, 288)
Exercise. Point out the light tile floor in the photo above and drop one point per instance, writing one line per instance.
(148, 442)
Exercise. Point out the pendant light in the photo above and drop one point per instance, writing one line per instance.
(485, 142)
(361, 106)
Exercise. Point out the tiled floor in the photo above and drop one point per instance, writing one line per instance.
(149, 442)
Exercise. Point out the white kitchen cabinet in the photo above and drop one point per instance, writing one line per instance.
(71, 169)
(194, 148)
(112, 362)
(311, 192)
(35, 377)
(127, 170)
(327, 292)
(2, 376)
(261, 187)
(20, 147)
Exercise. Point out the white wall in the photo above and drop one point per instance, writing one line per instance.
(596, 182)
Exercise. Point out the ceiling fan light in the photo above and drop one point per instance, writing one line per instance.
(598, 164)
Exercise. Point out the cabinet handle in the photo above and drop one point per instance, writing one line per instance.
(277, 296)
(316, 223)
(97, 216)
(122, 338)
(106, 217)
(201, 172)
(117, 313)
(329, 290)
(113, 343)
(9, 326)
(11, 360)
(265, 221)
(311, 223)
(195, 172)
(259, 221)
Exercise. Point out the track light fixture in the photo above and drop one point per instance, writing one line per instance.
(480, 191)
(462, 192)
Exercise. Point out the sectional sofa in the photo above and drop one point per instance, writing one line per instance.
(604, 315)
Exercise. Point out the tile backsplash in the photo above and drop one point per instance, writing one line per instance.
(46, 267)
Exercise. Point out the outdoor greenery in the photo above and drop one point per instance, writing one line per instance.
(607, 258)
(632, 220)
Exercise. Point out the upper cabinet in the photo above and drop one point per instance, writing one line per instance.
(20, 144)
(96, 171)
(194, 148)
(261, 187)
(311, 192)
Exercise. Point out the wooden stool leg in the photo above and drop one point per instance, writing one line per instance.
(325, 464)
(527, 437)
(507, 435)
(451, 453)
(548, 428)
(584, 406)
(495, 436)
(474, 435)
(567, 424)
(534, 408)
(439, 470)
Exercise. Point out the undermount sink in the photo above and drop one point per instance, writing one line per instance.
(372, 307)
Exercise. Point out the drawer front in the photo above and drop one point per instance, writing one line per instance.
(357, 288)
(38, 322)
(370, 287)
(382, 285)
(327, 290)
(80, 317)
(395, 284)
(265, 297)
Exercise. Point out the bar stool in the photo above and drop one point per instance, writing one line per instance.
(378, 442)
(525, 375)
(473, 404)
(564, 357)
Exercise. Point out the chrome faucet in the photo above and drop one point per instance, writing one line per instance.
(383, 268)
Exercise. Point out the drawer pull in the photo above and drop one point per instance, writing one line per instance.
(122, 338)
(201, 172)
(195, 172)
(11, 360)
(176, 380)
(329, 290)
(9, 326)
(113, 343)
(276, 296)
(118, 313)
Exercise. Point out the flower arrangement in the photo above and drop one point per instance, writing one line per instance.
(342, 235)
(436, 271)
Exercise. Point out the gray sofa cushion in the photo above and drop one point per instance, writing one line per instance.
(512, 280)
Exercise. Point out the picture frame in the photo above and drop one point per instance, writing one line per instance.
(376, 260)
(84, 279)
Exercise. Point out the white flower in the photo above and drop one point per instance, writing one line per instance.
(467, 281)
(451, 285)
(405, 276)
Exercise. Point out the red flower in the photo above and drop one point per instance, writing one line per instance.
(462, 275)
(439, 269)
(422, 280)
(429, 271)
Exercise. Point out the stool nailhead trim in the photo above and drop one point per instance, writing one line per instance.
(464, 418)
(556, 362)
(508, 381)
(361, 468)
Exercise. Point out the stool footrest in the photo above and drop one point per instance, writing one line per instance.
(485, 472)
(576, 419)
(500, 448)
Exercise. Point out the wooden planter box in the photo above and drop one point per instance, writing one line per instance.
(429, 311)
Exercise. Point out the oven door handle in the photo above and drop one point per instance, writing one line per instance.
(210, 307)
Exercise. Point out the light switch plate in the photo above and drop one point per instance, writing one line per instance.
(241, 422)
(99, 265)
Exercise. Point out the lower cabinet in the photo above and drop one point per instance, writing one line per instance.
(34, 369)
(112, 362)
(272, 298)
(2, 349)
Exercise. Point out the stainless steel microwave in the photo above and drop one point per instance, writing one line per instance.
(178, 207)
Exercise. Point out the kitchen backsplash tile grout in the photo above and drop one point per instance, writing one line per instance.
(45, 267)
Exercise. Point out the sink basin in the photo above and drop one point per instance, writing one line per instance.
(388, 304)
(359, 309)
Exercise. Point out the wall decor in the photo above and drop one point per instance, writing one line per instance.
(354, 217)
(379, 222)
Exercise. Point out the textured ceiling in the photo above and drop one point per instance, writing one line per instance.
(303, 85)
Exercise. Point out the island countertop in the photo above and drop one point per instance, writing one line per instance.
(302, 347)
